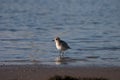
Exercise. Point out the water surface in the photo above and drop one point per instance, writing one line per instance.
(90, 27)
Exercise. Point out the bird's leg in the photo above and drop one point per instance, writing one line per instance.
(60, 52)
(62, 55)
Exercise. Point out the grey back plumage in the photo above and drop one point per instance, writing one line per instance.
(64, 44)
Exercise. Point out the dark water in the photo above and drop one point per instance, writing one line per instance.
(91, 28)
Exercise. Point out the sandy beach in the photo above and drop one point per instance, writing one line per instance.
(44, 72)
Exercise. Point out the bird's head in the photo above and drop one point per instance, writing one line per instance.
(56, 39)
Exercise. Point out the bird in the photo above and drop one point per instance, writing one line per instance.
(61, 45)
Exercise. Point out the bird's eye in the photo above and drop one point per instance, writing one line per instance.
(56, 39)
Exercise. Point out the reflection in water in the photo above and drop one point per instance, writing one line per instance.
(60, 60)
(63, 60)
(35, 61)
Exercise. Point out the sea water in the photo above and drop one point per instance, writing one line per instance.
(90, 27)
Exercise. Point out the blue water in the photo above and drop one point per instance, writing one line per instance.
(90, 27)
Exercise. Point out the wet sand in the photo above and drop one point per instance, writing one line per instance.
(43, 72)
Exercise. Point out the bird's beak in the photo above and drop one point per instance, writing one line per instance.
(53, 40)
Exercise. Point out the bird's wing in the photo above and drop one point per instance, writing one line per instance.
(63, 43)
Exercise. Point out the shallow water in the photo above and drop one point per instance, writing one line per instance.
(90, 27)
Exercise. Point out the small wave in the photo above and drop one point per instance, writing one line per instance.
(15, 61)
(101, 48)
(116, 58)
(18, 48)
(12, 30)
(92, 57)
(23, 39)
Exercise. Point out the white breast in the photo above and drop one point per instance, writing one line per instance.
(58, 46)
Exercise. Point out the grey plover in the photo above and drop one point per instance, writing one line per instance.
(61, 45)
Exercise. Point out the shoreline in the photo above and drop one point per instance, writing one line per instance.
(44, 72)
